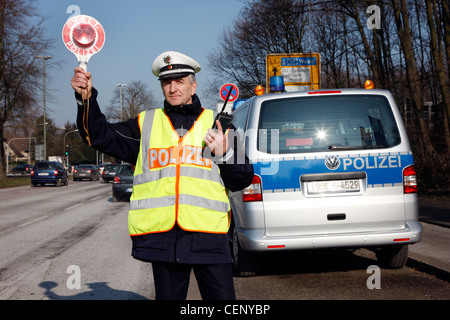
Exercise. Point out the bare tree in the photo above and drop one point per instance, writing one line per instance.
(425, 149)
(136, 97)
(21, 38)
(263, 27)
(436, 44)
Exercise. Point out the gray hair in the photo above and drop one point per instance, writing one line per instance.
(192, 78)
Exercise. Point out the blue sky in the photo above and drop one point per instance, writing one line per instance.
(137, 31)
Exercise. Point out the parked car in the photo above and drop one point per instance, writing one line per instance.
(109, 172)
(49, 172)
(333, 169)
(123, 183)
(22, 169)
(86, 171)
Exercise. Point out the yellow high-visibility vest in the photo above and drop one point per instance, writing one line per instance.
(173, 183)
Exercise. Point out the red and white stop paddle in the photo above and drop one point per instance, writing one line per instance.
(84, 36)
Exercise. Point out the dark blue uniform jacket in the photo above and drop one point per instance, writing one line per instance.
(121, 140)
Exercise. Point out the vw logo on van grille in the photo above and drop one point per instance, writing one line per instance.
(332, 162)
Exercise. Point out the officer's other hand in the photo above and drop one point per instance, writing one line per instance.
(82, 83)
(216, 141)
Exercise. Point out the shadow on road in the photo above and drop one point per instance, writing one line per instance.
(98, 291)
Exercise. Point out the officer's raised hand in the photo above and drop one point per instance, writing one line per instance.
(82, 83)
(216, 141)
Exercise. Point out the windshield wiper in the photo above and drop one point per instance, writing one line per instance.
(333, 147)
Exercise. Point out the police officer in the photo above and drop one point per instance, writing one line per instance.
(179, 210)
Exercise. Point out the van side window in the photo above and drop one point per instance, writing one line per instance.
(240, 120)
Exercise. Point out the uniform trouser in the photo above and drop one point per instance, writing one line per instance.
(215, 281)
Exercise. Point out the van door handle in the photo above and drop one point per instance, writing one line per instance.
(336, 216)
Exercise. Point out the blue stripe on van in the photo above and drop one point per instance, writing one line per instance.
(382, 169)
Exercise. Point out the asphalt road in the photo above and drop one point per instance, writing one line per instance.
(71, 243)
(46, 230)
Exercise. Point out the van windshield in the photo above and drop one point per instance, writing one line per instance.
(324, 123)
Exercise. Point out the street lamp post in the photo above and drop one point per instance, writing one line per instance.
(120, 85)
(45, 111)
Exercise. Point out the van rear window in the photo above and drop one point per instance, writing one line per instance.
(45, 166)
(324, 123)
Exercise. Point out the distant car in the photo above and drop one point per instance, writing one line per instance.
(86, 171)
(123, 183)
(49, 172)
(100, 168)
(109, 172)
(22, 168)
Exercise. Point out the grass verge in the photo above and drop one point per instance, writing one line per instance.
(15, 182)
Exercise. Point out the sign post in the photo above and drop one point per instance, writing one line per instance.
(300, 71)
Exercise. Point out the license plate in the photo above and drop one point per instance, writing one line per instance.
(130, 190)
(43, 174)
(335, 186)
(82, 174)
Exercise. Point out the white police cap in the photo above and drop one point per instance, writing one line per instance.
(172, 64)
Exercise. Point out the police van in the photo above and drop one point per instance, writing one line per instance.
(333, 169)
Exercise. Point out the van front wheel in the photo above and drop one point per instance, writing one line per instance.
(392, 257)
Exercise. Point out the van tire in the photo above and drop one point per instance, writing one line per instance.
(392, 257)
(244, 262)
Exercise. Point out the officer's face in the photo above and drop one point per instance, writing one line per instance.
(178, 92)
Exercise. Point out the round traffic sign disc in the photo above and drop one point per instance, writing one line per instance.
(226, 89)
(83, 35)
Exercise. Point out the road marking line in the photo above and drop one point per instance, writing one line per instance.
(73, 207)
(33, 221)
